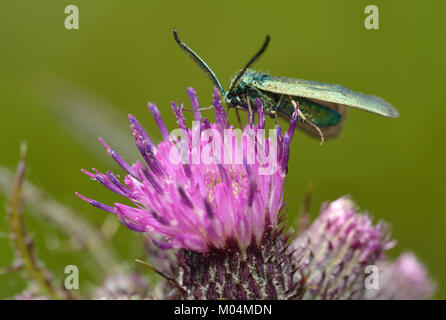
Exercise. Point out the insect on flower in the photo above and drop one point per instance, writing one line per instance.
(322, 106)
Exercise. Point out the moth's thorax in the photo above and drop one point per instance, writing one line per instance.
(244, 88)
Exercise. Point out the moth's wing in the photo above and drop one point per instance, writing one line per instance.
(327, 92)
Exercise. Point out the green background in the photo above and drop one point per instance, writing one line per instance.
(60, 89)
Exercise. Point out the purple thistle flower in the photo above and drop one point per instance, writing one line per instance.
(214, 194)
(331, 255)
(201, 206)
(404, 279)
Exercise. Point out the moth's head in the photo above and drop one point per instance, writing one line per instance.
(238, 90)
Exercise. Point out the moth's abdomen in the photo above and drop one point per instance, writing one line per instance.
(320, 115)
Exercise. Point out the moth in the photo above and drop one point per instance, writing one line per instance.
(322, 107)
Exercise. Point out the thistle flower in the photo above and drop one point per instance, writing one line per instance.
(123, 286)
(201, 206)
(404, 279)
(219, 209)
(331, 255)
(223, 211)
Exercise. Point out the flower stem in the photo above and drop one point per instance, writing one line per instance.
(23, 243)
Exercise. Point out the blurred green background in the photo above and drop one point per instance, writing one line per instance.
(60, 89)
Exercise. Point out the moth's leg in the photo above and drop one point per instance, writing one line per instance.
(301, 115)
(293, 103)
(275, 115)
(250, 114)
(274, 112)
(238, 116)
(227, 119)
(276, 106)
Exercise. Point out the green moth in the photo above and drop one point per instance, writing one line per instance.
(322, 106)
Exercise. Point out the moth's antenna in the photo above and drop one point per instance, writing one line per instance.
(250, 62)
(198, 61)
